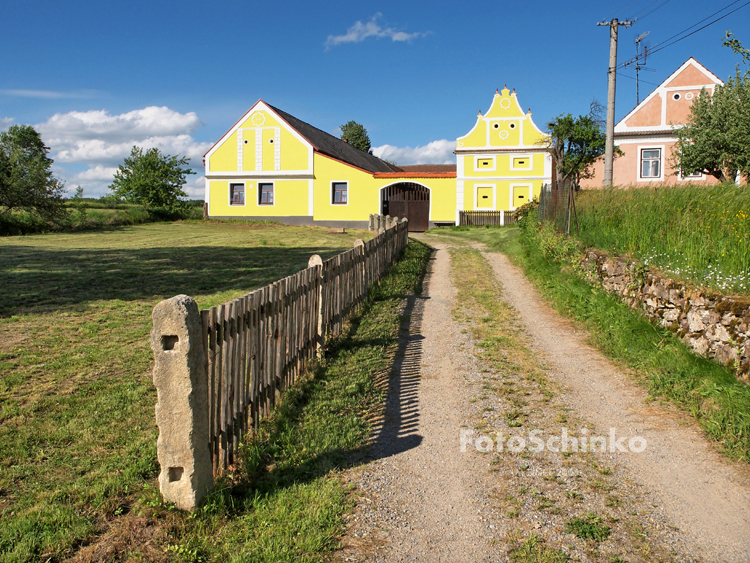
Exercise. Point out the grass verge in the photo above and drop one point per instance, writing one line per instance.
(541, 492)
(77, 434)
(665, 365)
(286, 500)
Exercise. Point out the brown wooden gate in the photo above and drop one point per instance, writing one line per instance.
(410, 200)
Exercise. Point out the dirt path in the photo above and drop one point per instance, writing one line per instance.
(705, 496)
(421, 499)
(419, 502)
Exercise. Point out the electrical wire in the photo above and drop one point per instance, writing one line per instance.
(625, 6)
(666, 43)
(639, 79)
(639, 17)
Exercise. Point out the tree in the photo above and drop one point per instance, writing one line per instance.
(26, 179)
(576, 143)
(716, 139)
(152, 179)
(356, 135)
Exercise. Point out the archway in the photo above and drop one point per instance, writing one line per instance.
(410, 200)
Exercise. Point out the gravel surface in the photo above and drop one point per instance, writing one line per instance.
(420, 499)
(704, 495)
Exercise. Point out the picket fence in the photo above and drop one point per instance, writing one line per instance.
(481, 218)
(258, 344)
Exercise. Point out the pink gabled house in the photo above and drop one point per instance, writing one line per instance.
(646, 134)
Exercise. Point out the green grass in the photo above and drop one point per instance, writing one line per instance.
(535, 550)
(287, 502)
(588, 528)
(700, 234)
(77, 435)
(663, 363)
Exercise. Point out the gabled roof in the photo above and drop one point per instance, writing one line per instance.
(329, 145)
(709, 79)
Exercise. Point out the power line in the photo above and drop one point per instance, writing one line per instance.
(633, 78)
(639, 17)
(644, 9)
(666, 43)
(625, 6)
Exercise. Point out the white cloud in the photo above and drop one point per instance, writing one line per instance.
(195, 187)
(436, 152)
(101, 141)
(50, 94)
(361, 31)
(6, 122)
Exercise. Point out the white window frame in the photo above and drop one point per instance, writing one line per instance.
(244, 193)
(273, 187)
(512, 191)
(478, 158)
(476, 196)
(513, 157)
(660, 177)
(334, 204)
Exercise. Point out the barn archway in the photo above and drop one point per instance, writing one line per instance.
(410, 200)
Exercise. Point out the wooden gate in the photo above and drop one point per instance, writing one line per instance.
(410, 200)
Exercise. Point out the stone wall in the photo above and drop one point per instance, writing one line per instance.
(715, 326)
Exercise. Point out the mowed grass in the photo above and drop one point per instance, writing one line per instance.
(77, 433)
(700, 234)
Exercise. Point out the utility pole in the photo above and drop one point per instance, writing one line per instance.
(609, 151)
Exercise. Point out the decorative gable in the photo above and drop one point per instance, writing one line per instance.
(261, 143)
(504, 126)
(668, 106)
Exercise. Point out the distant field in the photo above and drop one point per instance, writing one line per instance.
(77, 434)
(696, 233)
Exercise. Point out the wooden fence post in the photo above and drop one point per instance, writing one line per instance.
(181, 382)
(316, 260)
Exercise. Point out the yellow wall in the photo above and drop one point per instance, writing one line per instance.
(502, 189)
(294, 153)
(290, 199)
(364, 192)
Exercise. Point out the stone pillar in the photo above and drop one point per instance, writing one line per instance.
(316, 260)
(181, 382)
(502, 217)
(388, 222)
(378, 222)
(371, 226)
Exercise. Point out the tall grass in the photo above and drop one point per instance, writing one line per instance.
(696, 233)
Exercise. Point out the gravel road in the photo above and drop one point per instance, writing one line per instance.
(419, 499)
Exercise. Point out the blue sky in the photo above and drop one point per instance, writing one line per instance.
(98, 77)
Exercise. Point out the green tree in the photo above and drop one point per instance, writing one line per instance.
(26, 179)
(356, 135)
(576, 143)
(716, 139)
(152, 179)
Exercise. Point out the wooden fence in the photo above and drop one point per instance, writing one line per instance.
(258, 344)
(481, 218)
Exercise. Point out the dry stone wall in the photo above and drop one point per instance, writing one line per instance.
(715, 326)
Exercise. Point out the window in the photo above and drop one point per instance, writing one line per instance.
(265, 194)
(236, 194)
(340, 194)
(650, 163)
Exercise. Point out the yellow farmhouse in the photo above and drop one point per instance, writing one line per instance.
(271, 165)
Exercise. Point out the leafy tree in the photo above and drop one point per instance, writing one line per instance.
(576, 143)
(716, 139)
(356, 135)
(152, 179)
(26, 179)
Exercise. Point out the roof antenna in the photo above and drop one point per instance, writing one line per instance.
(640, 65)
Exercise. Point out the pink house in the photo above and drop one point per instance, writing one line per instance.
(646, 134)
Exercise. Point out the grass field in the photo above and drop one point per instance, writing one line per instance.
(698, 234)
(77, 435)
(662, 363)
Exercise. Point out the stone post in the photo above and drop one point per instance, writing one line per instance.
(316, 260)
(378, 222)
(502, 217)
(371, 226)
(388, 222)
(181, 383)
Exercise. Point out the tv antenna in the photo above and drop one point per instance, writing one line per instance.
(639, 66)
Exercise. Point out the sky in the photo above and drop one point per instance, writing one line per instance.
(97, 78)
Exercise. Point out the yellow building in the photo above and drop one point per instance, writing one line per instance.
(271, 165)
(502, 163)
